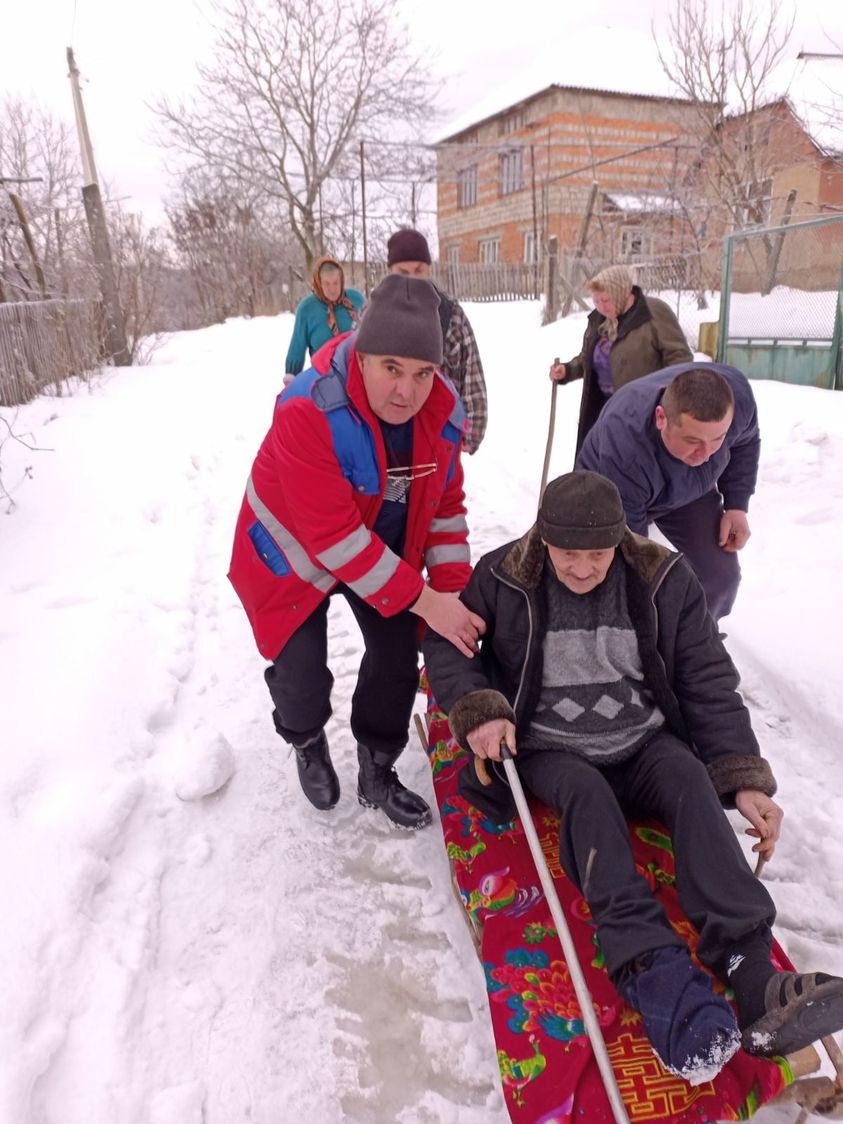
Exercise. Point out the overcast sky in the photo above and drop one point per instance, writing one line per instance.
(492, 53)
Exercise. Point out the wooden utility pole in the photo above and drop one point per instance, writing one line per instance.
(580, 250)
(551, 301)
(536, 255)
(17, 203)
(100, 245)
(775, 249)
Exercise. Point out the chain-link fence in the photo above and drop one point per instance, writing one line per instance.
(781, 298)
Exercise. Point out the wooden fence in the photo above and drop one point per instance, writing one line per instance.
(469, 281)
(44, 342)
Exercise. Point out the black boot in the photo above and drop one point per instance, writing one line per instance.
(318, 779)
(378, 786)
(798, 1009)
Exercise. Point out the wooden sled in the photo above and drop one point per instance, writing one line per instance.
(547, 1068)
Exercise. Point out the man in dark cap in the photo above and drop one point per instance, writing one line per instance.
(602, 668)
(409, 254)
(356, 489)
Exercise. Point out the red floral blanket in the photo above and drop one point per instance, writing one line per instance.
(547, 1068)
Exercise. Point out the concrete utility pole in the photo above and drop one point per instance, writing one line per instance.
(100, 245)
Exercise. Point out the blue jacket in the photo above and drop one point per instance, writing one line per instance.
(625, 445)
(311, 330)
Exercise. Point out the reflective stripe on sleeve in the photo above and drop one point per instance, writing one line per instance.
(346, 549)
(455, 524)
(450, 552)
(377, 577)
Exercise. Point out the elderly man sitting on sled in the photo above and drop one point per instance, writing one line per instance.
(601, 666)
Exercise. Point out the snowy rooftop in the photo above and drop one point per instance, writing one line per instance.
(641, 202)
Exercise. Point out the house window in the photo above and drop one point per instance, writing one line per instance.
(755, 204)
(467, 186)
(454, 254)
(530, 248)
(511, 123)
(490, 251)
(511, 171)
(635, 243)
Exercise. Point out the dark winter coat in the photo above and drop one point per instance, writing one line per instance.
(686, 668)
(626, 446)
(649, 338)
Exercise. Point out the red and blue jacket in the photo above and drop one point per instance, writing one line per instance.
(316, 488)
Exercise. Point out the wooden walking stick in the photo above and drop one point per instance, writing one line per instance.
(592, 1027)
(550, 428)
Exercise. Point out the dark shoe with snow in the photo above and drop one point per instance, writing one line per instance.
(378, 786)
(800, 1008)
(692, 1031)
(317, 777)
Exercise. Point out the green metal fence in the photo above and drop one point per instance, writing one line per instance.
(781, 303)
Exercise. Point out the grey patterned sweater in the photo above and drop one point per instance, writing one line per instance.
(592, 700)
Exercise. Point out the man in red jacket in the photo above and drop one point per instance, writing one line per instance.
(356, 489)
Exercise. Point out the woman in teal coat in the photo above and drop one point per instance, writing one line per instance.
(328, 311)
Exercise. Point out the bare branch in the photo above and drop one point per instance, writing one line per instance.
(291, 88)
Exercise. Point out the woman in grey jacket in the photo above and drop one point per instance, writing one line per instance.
(628, 335)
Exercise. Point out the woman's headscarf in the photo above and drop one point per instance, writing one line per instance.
(616, 282)
(316, 289)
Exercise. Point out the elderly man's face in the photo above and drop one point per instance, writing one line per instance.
(396, 387)
(411, 268)
(581, 570)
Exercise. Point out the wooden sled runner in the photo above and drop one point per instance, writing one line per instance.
(547, 1067)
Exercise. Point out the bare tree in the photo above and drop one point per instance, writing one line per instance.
(723, 60)
(140, 262)
(293, 84)
(230, 248)
(37, 146)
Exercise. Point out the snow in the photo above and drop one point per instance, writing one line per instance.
(185, 939)
(642, 202)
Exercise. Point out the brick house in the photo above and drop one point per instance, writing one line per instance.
(792, 173)
(517, 178)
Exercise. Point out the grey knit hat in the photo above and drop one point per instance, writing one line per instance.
(581, 511)
(402, 319)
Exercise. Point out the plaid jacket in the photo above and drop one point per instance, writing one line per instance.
(463, 367)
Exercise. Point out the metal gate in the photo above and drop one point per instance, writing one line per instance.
(782, 303)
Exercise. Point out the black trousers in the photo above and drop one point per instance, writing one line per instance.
(300, 680)
(695, 530)
(665, 780)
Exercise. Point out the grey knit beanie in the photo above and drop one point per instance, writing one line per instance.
(402, 319)
(581, 511)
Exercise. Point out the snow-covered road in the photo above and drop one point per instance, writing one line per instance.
(174, 958)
